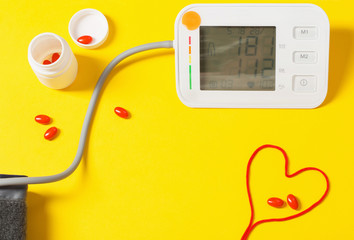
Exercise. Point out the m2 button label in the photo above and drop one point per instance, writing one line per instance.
(305, 57)
(305, 33)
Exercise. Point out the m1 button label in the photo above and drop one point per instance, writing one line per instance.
(305, 33)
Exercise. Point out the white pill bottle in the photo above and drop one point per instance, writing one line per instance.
(58, 74)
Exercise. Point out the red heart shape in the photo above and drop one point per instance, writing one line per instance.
(252, 225)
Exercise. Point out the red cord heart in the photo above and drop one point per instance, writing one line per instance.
(252, 225)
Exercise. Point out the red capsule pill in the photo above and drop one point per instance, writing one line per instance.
(42, 119)
(121, 112)
(46, 62)
(51, 133)
(55, 57)
(275, 202)
(292, 201)
(86, 39)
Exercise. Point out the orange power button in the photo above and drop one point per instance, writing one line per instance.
(191, 20)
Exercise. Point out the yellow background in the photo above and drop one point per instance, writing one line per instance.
(169, 172)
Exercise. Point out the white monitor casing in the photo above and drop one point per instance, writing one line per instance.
(301, 29)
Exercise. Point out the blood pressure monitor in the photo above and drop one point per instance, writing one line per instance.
(252, 55)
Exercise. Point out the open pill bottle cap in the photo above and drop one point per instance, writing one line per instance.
(89, 22)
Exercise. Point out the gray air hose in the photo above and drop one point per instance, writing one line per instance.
(87, 121)
(13, 188)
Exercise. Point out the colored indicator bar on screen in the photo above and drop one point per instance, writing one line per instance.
(190, 77)
(190, 62)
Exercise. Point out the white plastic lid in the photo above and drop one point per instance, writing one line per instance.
(89, 22)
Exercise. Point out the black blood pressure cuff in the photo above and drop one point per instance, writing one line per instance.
(13, 211)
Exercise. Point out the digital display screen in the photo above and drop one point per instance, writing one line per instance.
(237, 58)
